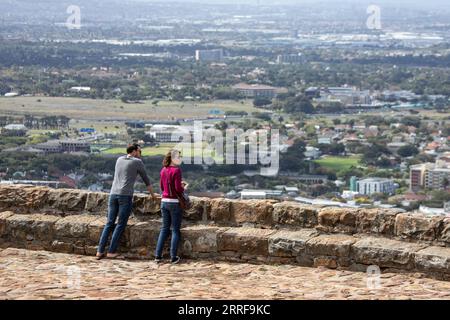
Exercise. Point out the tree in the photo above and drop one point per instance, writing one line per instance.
(298, 104)
(261, 102)
(407, 151)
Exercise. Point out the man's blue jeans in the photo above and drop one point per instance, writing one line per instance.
(172, 215)
(119, 205)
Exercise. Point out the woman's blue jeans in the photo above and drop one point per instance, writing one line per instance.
(171, 216)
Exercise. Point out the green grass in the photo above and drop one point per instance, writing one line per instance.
(96, 109)
(160, 151)
(339, 163)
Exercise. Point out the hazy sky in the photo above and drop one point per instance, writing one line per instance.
(424, 4)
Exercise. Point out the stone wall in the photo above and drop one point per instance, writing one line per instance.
(253, 231)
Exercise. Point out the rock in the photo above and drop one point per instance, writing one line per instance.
(95, 229)
(143, 204)
(326, 262)
(385, 253)
(74, 227)
(418, 227)
(335, 245)
(97, 203)
(21, 226)
(144, 234)
(337, 220)
(295, 214)
(63, 247)
(290, 243)
(66, 201)
(3, 217)
(433, 259)
(23, 198)
(245, 241)
(376, 221)
(252, 211)
(219, 211)
(199, 207)
(200, 239)
(444, 236)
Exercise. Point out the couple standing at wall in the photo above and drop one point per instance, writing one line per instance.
(120, 204)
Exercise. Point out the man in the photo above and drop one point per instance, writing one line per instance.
(121, 198)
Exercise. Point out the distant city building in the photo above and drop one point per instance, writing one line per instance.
(433, 176)
(312, 152)
(258, 90)
(167, 133)
(353, 184)
(70, 146)
(80, 89)
(215, 55)
(11, 94)
(375, 185)
(290, 58)
(348, 96)
(248, 194)
(14, 130)
(313, 179)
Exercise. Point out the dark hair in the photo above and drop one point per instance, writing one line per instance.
(168, 158)
(133, 147)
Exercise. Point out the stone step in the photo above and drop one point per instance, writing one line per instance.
(305, 246)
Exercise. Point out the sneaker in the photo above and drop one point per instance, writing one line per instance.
(158, 260)
(175, 260)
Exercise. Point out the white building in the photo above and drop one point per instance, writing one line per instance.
(312, 152)
(375, 185)
(215, 55)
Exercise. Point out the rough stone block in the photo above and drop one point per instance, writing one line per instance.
(245, 241)
(295, 214)
(337, 220)
(290, 243)
(199, 239)
(97, 203)
(418, 227)
(143, 204)
(219, 211)
(376, 221)
(63, 247)
(144, 234)
(20, 227)
(433, 259)
(335, 245)
(23, 198)
(66, 201)
(199, 209)
(385, 253)
(252, 211)
(74, 227)
(3, 217)
(444, 236)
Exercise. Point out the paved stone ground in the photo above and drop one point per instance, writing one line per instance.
(45, 275)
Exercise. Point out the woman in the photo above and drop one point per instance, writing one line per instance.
(171, 185)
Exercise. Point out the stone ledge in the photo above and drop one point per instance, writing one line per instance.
(236, 213)
(80, 235)
(385, 253)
